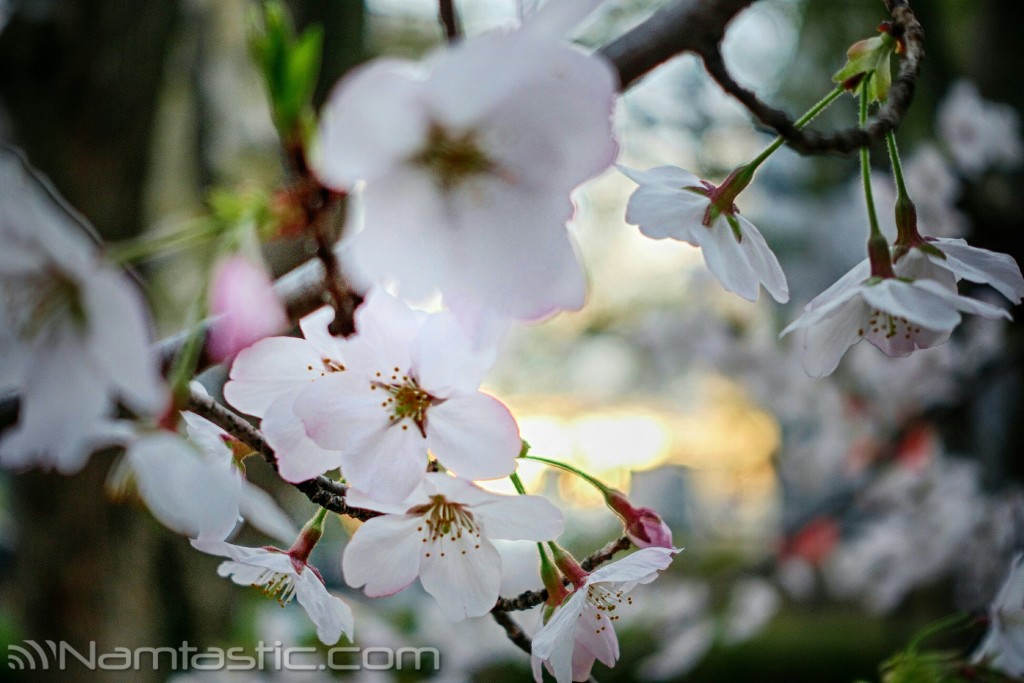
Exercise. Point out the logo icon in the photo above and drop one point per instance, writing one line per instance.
(20, 658)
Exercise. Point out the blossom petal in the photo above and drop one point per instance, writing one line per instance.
(299, 458)
(444, 360)
(726, 261)
(474, 435)
(462, 573)
(329, 613)
(763, 261)
(919, 305)
(384, 554)
(640, 567)
(596, 633)
(554, 641)
(1000, 271)
(269, 368)
(260, 510)
(520, 518)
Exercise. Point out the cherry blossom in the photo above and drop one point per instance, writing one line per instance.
(673, 203)
(282, 575)
(442, 533)
(979, 134)
(196, 488)
(897, 315)
(644, 527)
(245, 307)
(411, 386)
(264, 381)
(1003, 646)
(77, 335)
(582, 630)
(469, 160)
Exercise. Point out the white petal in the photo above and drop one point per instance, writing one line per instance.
(981, 265)
(261, 510)
(554, 642)
(390, 465)
(270, 368)
(463, 575)
(206, 436)
(299, 458)
(641, 567)
(763, 261)
(669, 177)
(918, 304)
(384, 554)
(556, 20)
(515, 518)
(444, 360)
(188, 494)
(853, 278)
(315, 330)
(340, 412)
(474, 435)
(962, 303)
(385, 330)
(726, 260)
(662, 212)
(372, 120)
(826, 338)
(329, 613)
(596, 634)
(119, 340)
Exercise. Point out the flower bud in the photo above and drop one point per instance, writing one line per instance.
(644, 527)
(247, 309)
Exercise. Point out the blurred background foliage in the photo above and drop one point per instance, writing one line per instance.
(823, 520)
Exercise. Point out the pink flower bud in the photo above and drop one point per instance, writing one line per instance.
(644, 527)
(246, 308)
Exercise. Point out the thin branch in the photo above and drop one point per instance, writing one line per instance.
(322, 491)
(449, 19)
(513, 630)
(530, 599)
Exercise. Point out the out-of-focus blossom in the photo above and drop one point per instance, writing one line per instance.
(1003, 647)
(244, 305)
(76, 334)
(442, 533)
(282, 576)
(752, 605)
(412, 385)
(671, 202)
(469, 160)
(978, 133)
(196, 488)
(264, 381)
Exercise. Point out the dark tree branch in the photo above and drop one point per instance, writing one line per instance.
(449, 19)
(513, 630)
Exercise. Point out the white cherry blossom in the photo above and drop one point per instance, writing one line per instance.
(469, 160)
(581, 630)
(412, 385)
(442, 533)
(266, 377)
(673, 203)
(77, 334)
(281, 576)
(196, 488)
(1003, 646)
(897, 315)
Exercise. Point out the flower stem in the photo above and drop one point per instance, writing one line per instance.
(143, 248)
(821, 106)
(878, 247)
(897, 167)
(568, 468)
(518, 483)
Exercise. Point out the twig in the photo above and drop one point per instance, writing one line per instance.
(449, 19)
(513, 630)
(321, 491)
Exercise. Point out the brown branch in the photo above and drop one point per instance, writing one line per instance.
(513, 630)
(449, 19)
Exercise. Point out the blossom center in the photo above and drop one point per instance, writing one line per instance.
(606, 602)
(881, 324)
(445, 521)
(39, 303)
(404, 400)
(276, 585)
(452, 158)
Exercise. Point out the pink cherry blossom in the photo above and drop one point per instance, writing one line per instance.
(245, 307)
(644, 527)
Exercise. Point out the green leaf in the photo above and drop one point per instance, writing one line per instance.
(869, 58)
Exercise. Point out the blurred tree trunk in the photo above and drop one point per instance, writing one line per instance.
(79, 85)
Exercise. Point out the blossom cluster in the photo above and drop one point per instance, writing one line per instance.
(460, 169)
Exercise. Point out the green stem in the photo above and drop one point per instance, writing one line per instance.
(799, 123)
(518, 483)
(865, 165)
(131, 251)
(897, 167)
(569, 468)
